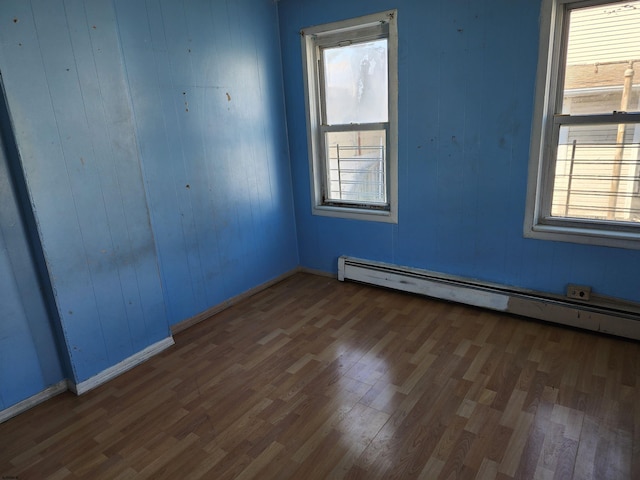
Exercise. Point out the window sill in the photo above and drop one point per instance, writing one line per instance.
(584, 235)
(383, 216)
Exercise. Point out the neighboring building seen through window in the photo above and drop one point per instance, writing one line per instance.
(351, 102)
(356, 93)
(586, 149)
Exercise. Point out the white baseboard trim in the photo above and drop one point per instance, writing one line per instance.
(32, 401)
(120, 368)
(601, 314)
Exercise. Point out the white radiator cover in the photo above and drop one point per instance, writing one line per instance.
(616, 318)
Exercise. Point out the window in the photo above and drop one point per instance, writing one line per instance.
(351, 89)
(584, 175)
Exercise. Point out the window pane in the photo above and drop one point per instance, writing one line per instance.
(356, 166)
(597, 172)
(603, 43)
(356, 83)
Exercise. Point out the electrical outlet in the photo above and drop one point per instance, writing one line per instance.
(579, 292)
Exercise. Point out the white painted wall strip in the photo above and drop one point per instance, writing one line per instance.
(120, 368)
(31, 402)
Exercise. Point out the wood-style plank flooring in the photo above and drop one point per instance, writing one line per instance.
(317, 379)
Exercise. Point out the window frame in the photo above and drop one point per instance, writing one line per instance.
(314, 38)
(547, 122)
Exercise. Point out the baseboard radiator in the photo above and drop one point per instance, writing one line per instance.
(600, 314)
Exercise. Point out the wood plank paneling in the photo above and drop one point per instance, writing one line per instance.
(70, 108)
(29, 360)
(206, 91)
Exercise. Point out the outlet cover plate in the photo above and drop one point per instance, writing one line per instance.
(579, 292)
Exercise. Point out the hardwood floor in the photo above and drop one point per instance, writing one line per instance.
(315, 379)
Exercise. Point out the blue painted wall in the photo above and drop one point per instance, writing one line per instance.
(206, 85)
(152, 141)
(29, 360)
(466, 87)
(66, 90)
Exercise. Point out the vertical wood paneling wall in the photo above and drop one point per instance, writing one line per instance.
(65, 85)
(28, 356)
(206, 87)
(153, 143)
(466, 88)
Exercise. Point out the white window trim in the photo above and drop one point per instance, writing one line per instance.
(612, 234)
(313, 118)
